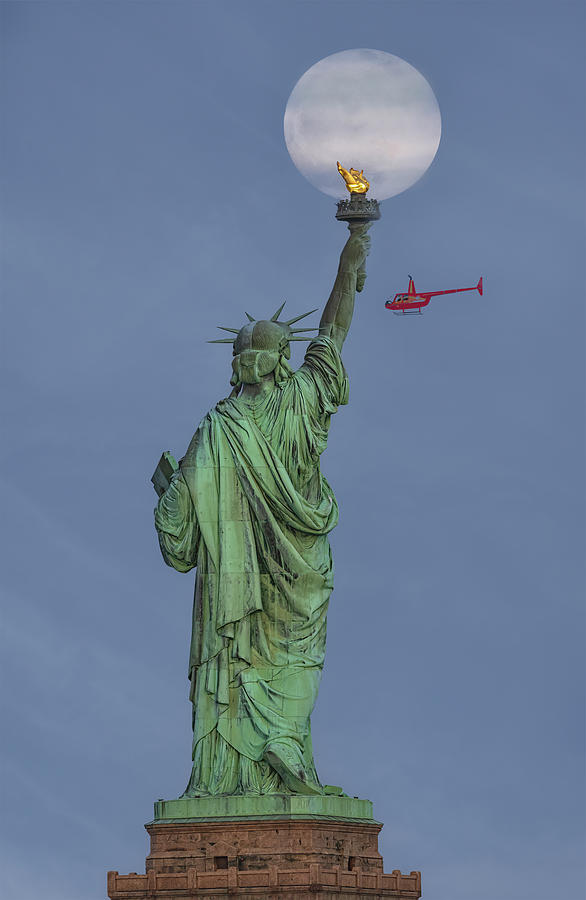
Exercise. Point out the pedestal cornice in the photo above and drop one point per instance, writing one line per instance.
(284, 847)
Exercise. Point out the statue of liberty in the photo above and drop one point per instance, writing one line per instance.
(249, 508)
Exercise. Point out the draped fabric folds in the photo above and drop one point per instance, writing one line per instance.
(251, 510)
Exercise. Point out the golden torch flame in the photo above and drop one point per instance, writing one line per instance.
(355, 180)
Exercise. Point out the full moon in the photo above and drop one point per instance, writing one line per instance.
(369, 110)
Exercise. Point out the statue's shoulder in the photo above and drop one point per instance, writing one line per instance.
(229, 406)
(321, 355)
(226, 413)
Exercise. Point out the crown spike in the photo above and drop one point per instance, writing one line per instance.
(278, 312)
(302, 316)
(249, 317)
(231, 330)
(222, 341)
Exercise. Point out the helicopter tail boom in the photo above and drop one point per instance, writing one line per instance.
(477, 287)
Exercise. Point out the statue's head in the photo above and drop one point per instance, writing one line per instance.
(261, 347)
(258, 349)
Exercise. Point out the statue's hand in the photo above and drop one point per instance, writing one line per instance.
(356, 249)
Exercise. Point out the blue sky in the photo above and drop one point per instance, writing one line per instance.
(147, 197)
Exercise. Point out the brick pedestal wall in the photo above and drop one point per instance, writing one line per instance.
(280, 860)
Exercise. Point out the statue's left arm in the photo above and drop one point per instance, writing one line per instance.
(177, 525)
(338, 311)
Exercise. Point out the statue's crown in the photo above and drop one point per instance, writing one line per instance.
(265, 334)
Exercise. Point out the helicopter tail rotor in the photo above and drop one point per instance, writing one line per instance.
(479, 286)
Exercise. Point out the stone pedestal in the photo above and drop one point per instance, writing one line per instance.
(293, 847)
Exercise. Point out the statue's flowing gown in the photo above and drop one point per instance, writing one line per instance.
(250, 508)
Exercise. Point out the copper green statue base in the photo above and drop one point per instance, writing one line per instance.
(240, 807)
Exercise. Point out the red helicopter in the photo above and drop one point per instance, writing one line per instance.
(413, 302)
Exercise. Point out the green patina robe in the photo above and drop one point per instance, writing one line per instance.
(250, 508)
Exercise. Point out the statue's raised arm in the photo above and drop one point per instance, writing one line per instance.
(337, 315)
